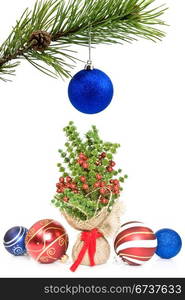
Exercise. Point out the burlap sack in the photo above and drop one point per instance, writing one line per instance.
(102, 251)
(107, 223)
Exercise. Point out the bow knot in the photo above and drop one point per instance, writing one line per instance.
(89, 239)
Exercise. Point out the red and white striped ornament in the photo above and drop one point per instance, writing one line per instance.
(135, 243)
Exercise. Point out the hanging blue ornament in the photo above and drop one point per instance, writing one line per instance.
(14, 240)
(169, 243)
(90, 91)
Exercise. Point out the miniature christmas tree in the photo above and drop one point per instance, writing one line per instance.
(88, 193)
(90, 180)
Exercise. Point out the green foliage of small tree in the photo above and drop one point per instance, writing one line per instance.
(89, 178)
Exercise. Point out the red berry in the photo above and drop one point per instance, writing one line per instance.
(109, 169)
(65, 199)
(58, 185)
(98, 176)
(100, 157)
(97, 163)
(81, 156)
(68, 179)
(97, 184)
(68, 185)
(116, 189)
(85, 165)
(85, 186)
(116, 182)
(102, 191)
(82, 178)
(80, 161)
(103, 154)
(73, 186)
(111, 181)
(104, 200)
(75, 191)
(109, 187)
(112, 163)
(61, 179)
(116, 192)
(58, 191)
(102, 183)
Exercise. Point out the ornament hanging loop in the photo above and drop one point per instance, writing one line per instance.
(89, 65)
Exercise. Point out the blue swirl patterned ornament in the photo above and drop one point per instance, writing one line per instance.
(90, 91)
(14, 240)
(169, 243)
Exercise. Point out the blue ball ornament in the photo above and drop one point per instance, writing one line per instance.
(169, 243)
(14, 240)
(90, 91)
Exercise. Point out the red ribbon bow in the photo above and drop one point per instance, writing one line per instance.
(89, 239)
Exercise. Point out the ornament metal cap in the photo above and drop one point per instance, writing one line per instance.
(89, 65)
(64, 258)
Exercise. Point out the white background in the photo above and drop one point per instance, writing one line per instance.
(146, 116)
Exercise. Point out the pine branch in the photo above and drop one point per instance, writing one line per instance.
(67, 23)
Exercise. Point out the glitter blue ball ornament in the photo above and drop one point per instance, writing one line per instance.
(90, 91)
(14, 240)
(169, 243)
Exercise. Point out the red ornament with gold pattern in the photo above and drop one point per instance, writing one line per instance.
(46, 241)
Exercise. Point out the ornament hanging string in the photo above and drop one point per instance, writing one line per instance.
(89, 65)
(90, 41)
